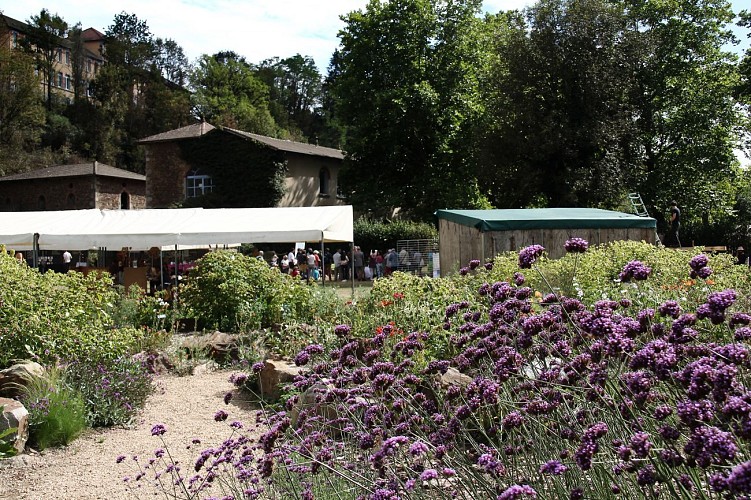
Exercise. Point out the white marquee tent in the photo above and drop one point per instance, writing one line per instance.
(144, 229)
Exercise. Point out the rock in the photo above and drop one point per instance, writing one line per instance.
(202, 369)
(312, 398)
(14, 416)
(274, 375)
(218, 346)
(15, 378)
(455, 377)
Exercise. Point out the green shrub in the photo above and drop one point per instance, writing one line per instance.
(56, 316)
(134, 308)
(234, 292)
(57, 412)
(371, 235)
(114, 390)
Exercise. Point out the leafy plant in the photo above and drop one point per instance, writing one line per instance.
(57, 412)
(114, 390)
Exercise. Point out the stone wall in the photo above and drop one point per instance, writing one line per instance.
(165, 171)
(69, 193)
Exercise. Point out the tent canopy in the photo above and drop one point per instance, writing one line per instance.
(144, 229)
(545, 218)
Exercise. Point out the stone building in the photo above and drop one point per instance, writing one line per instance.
(73, 187)
(218, 167)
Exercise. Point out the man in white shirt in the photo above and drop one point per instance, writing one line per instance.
(337, 259)
(67, 257)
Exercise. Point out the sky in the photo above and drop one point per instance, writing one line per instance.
(256, 29)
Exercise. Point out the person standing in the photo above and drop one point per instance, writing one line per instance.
(337, 260)
(67, 257)
(741, 258)
(359, 261)
(672, 239)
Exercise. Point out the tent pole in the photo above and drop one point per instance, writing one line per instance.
(161, 270)
(35, 253)
(352, 266)
(323, 264)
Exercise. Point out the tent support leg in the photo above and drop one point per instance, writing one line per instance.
(323, 264)
(35, 253)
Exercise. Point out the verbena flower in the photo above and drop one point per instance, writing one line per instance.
(553, 467)
(529, 255)
(158, 430)
(635, 270)
(576, 245)
(220, 416)
(517, 491)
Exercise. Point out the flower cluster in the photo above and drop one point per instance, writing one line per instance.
(635, 270)
(576, 245)
(699, 267)
(529, 255)
(537, 398)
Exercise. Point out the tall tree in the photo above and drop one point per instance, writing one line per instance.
(227, 92)
(45, 40)
(170, 61)
(22, 115)
(686, 115)
(560, 125)
(408, 95)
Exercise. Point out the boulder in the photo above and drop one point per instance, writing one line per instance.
(14, 379)
(312, 399)
(274, 375)
(454, 377)
(13, 415)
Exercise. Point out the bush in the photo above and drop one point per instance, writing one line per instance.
(57, 412)
(234, 292)
(134, 308)
(56, 316)
(114, 390)
(371, 235)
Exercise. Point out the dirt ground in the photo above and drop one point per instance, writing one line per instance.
(86, 469)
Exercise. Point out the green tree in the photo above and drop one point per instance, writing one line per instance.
(407, 91)
(560, 122)
(226, 92)
(44, 40)
(686, 114)
(22, 114)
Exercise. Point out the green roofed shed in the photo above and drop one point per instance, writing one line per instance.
(482, 234)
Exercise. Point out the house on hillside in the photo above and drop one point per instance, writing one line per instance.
(219, 167)
(12, 31)
(73, 187)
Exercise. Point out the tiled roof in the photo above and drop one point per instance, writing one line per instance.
(189, 132)
(91, 34)
(290, 146)
(77, 170)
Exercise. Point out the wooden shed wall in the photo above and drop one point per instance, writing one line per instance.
(459, 244)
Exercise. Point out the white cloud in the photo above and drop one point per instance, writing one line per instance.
(256, 29)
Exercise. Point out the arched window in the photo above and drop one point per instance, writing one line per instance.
(124, 201)
(323, 181)
(42, 203)
(198, 184)
(71, 201)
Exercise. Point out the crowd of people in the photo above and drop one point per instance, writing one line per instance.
(338, 265)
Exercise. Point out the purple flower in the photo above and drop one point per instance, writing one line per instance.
(635, 270)
(239, 379)
(257, 367)
(519, 279)
(698, 261)
(529, 255)
(464, 271)
(553, 467)
(739, 480)
(220, 416)
(670, 308)
(517, 491)
(429, 474)
(576, 245)
(710, 445)
(418, 448)
(227, 398)
(342, 330)
(474, 264)
(302, 358)
(646, 476)
(158, 430)
(120, 459)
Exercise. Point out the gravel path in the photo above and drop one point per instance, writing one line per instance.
(86, 469)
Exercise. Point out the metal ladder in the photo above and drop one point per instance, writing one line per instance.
(637, 205)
